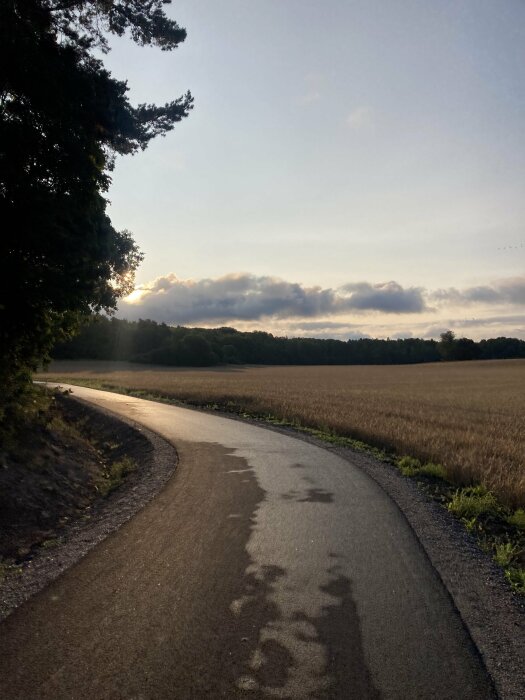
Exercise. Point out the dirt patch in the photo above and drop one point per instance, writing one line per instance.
(74, 478)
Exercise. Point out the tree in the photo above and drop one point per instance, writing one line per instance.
(466, 349)
(447, 345)
(452, 348)
(196, 351)
(63, 120)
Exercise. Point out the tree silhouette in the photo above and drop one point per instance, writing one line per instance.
(149, 342)
(447, 345)
(63, 120)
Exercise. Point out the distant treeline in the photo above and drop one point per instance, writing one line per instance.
(156, 343)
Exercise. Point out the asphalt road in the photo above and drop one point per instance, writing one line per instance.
(267, 568)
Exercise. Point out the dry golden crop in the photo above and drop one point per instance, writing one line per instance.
(468, 416)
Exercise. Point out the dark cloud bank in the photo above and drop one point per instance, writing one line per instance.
(245, 297)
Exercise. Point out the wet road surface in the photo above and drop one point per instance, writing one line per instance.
(267, 568)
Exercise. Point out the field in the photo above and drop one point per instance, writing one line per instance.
(470, 416)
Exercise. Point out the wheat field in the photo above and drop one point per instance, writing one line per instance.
(468, 416)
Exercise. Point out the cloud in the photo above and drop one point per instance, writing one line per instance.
(323, 329)
(245, 297)
(477, 328)
(357, 309)
(360, 117)
(389, 297)
(492, 321)
(235, 296)
(321, 325)
(401, 335)
(505, 291)
(328, 334)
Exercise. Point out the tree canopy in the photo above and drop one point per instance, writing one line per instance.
(149, 342)
(63, 120)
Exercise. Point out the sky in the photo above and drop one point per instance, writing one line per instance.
(351, 168)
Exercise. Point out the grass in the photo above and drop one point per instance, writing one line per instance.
(517, 519)
(113, 477)
(409, 466)
(516, 578)
(504, 553)
(471, 502)
(66, 429)
(499, 531)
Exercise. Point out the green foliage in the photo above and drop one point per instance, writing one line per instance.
(409, 466)
(498, 532)
(517, 519)
(436, 471)
(473, 501)
(63, 120)
(516, 577)
(504, 553)
(114, 477)
(470, 524)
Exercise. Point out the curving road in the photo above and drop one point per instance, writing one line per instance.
(267, 568)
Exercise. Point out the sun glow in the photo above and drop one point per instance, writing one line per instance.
(135, 296)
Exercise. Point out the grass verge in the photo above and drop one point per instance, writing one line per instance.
(498, 530)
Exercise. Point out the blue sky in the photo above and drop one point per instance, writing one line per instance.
(333, 144)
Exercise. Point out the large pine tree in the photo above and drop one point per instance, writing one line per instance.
(63, 119)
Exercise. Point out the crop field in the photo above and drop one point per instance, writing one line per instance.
(469, 417)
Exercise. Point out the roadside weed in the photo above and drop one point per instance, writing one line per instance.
(114, 476)
(409, 466)
(516, 577)
(504, 553)
(470, 523)
(472, 502)
(517, 519)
